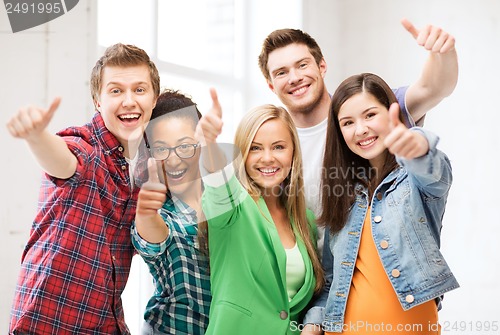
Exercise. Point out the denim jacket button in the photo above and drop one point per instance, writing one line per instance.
(410, 298)
(384, 244)
(395, 273)
(377, 219)
(379, 196)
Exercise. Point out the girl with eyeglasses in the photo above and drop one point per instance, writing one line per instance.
(173, 241)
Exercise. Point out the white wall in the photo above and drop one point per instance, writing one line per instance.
(365, 35)
(35, 66)
(356, 36)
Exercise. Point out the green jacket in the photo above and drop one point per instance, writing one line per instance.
(248, 266)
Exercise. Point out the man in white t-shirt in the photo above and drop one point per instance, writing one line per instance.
(294, 67)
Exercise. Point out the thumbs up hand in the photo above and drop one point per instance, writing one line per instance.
(432, 38)
(152, 194)
(401, 141)
(210, 125)
(208, 129)
(31, 121)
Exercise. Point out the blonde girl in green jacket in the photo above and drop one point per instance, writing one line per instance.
(263, 262)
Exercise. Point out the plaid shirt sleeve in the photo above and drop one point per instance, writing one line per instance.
(148, 249)
(76, 262)
(181, 299)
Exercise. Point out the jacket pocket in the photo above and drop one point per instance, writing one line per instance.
(398, 192)
(236, 307)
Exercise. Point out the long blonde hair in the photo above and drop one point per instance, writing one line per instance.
(292, 197)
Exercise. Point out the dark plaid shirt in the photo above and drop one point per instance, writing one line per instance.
(181, 301)
(77, 260)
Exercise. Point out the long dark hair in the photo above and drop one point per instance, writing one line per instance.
(343, 169)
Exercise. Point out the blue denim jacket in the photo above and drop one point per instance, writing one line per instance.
(406, 212)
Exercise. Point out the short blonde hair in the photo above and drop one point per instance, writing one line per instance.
(122, 55)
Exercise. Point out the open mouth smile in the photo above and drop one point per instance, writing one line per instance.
(366, 142)
(268, 171)
(299, 91)
(129, 117)
(176, 175)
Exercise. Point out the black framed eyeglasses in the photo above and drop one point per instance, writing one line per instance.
(183, 151)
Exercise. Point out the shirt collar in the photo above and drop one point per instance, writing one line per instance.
(107, 140)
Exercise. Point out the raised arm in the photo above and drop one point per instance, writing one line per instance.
(401, 141)
(208, 129)
(152, 195)
(440, 73)
(415, 149)
(50, 150)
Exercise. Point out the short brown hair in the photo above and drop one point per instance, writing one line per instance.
(122, 55)
(283, 37)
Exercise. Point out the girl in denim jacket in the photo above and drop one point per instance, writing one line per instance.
(384, 194)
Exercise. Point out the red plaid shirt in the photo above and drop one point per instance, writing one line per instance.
(77, 260)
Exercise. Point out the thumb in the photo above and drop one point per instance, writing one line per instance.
(216, 108)
(52, 108)
(410, 28)
(152, 171)
(394, 120)
(153, 183)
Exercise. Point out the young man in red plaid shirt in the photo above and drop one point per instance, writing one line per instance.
(77, 260)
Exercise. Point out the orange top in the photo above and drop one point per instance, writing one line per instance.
(373, 306)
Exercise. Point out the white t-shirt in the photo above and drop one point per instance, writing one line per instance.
(312, 145)
(132, 164)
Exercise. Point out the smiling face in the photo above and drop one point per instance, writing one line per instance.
(180, 172)
(270, 157)
(126, 101)
(364, 123)
(296, 78)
